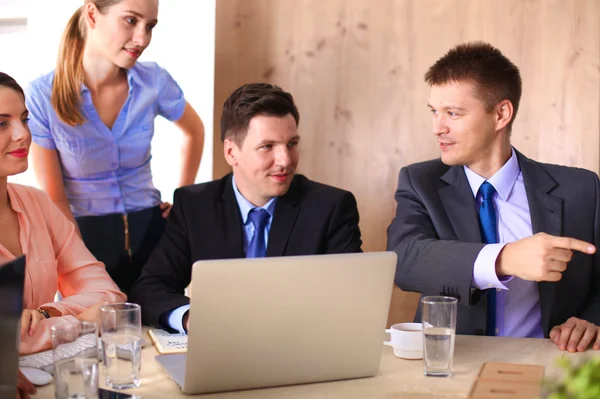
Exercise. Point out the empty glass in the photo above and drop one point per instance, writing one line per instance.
(75, 356)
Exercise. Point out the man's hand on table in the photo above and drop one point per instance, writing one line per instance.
(576, 335)
(186, 320)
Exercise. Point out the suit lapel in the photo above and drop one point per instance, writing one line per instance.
(546, 216)
(284, 217)
(231, 224)
(454, 196)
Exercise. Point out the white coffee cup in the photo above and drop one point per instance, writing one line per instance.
(406, 340)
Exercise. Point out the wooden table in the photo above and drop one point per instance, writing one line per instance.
(397, 378)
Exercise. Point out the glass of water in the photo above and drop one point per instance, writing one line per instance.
(121, 344)
(439, 329)
(75, 356)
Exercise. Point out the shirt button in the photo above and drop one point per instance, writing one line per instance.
(498, 289)
(490, 285)
(497, 331)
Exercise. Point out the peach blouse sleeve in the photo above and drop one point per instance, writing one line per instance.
(82, 280)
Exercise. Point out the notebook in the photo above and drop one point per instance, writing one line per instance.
(167, 343)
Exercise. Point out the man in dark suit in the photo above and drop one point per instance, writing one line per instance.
(262, 209)
(509, 237)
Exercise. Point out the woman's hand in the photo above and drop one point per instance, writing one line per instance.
(24, 387)
(165, 207)
(92, 314)
(30, 318)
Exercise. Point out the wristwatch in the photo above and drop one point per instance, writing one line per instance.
(44, 313)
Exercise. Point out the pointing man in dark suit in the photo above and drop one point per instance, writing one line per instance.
(513, 239)
(262, 209)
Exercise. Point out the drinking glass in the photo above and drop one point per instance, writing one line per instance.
(121, 327)
(75, 356)
(439, 329)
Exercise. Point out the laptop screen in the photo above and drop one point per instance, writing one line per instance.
(12, 278)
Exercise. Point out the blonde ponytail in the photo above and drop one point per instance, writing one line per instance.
(69, 75)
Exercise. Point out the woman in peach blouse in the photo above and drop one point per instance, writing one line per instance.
(56, 258)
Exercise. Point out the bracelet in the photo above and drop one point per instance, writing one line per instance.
(44, 313)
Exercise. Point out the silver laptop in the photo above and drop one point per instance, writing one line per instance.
(12, 279)
(268, 322)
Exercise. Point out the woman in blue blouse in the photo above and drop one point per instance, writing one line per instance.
(92, 120)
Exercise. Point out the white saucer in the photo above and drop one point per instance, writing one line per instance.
(408, 354)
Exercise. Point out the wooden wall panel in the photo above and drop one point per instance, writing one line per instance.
(355, 68)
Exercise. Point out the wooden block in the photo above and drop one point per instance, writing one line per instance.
(505, 390)
(511, 372)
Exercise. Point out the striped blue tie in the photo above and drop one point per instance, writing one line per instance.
(489, 235)
(256, 247)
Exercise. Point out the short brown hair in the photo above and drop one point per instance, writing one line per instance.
(496, 78)
(250, 100)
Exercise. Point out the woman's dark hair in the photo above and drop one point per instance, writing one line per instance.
(7, 81)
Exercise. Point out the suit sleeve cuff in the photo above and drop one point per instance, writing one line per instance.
(484, 270)
(175, 318)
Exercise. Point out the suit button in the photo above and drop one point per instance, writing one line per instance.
(479, 331)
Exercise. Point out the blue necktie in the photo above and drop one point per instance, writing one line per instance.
(256, 247)
(487, 225)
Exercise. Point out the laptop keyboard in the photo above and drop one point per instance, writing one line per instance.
(44, 361)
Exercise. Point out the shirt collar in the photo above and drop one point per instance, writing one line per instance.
(15, 202)
(246, 206)
(503, 180)
(132, 76)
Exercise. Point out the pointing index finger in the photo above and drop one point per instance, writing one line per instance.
(574, 244)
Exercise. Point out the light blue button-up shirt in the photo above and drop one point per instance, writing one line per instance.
(175, 318)
(107, 170)
(518, 312)
(245, 208)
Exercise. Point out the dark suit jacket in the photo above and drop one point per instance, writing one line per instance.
(205, 223)
(436, 236)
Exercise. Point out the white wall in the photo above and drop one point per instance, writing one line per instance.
(183, 43)
(13, 35)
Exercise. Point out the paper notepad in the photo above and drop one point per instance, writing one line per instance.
(508, 381)
(166, 342)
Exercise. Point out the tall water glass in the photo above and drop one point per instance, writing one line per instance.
(439, 329)
(75, 356)
(121, 341)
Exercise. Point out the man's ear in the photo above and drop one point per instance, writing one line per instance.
(230, 151)
(504, 114)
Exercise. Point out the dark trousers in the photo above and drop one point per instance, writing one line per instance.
(123, 242)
